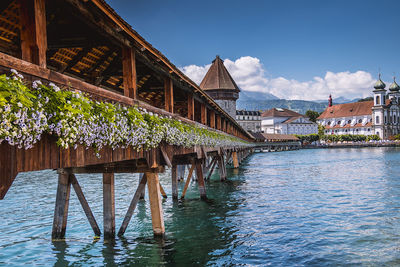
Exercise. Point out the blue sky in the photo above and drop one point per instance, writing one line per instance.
(293, 40)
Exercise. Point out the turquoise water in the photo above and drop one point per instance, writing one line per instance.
(295, 208)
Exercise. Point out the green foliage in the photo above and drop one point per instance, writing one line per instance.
(312, 115)
(27, 113)
(309, 138)
(321, 130)
(349, 138)
(370, 98)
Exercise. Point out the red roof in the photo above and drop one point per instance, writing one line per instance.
(347, 110)
(280, 112)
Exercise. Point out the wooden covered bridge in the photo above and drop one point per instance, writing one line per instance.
(84, 45)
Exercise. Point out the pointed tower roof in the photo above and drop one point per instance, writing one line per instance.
(394, 87)
(218, 78)
(379, 85)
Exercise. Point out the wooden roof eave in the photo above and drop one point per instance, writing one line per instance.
(104, 7)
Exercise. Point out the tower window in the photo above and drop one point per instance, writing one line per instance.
(377, 100)
(377, 119)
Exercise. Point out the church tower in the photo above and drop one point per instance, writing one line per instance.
(378, 115)
(219, 84)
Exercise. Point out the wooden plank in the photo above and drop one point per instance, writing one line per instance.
(61, 208)
(157, 218)
(174, 177)
(190, 106)
(200, 179)
(108, 205)
(85, 205)
(140, 189)
(212, 118)
(129, 72)
(203, 110)
(168, 95)
(187, 181)
(8, 169)
(165, 156)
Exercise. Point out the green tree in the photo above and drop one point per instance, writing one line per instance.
(312, 115)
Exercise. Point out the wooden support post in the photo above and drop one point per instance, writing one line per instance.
(85, 205)
(108, 205)
(203, 114)
(235, 160)
(33, 31)
(129, 72)
(214, 163)
(212, 118)
(221, 167)
(200, 179)
(187, 181)
(181, 172)
(190, 106)
(157, 218)
(62, 203)
(164, 195)
(143, 193)
(132, 206)
(174, 177)
(169, 95)
(218, 119)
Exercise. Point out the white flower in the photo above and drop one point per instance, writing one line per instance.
(19, 104)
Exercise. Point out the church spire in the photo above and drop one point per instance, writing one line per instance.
(330, 101)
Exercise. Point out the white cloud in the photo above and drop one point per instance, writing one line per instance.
(250, 75)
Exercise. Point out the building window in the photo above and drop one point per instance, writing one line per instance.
(338, 123)
(377, 119)
(329, 123)
(349, 121)
(377, 100)
(369, 129)
(360, 121)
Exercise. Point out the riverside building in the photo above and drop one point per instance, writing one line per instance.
(249, 120)
(285, 121)
(379, 116)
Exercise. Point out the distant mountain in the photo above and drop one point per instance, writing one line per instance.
(263, 101)
(247, 95)
(339, 100)
(300, 106)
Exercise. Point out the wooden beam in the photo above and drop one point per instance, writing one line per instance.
(190, 106)
(235, 160)
(33, 31)
(129, 72)
(165, 156)
(108, 206)
(214, 163)
(187, 181)
(153, 185)
(212, 118)
(200, 179)
(168, 95)
(221, 167)
(61, 208)
(218, 123)
(203, 114)
(162, 191)
(85, 205)
(174, 177)
(142, 194)
(132, 206)
(81, 54)
(114, 169)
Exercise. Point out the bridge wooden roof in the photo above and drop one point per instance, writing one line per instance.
(85, 40)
